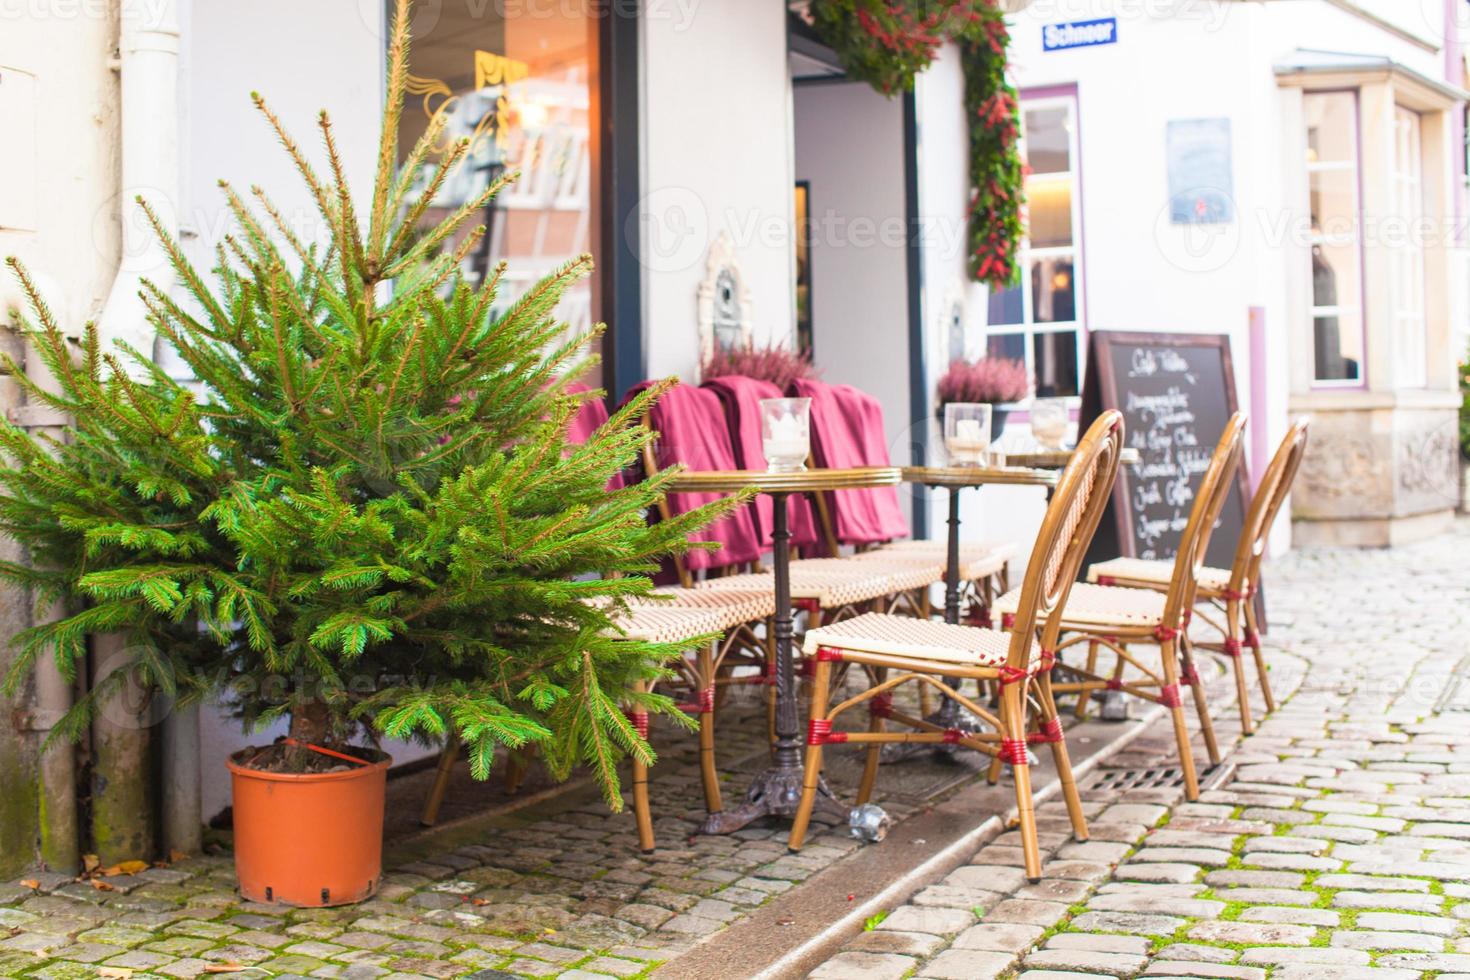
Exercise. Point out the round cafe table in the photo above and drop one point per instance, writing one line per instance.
(777, 790)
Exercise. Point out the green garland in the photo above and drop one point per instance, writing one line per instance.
(887, 42)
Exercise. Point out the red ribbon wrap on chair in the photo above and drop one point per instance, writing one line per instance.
(1106, 580)
(1013, 751)
(1165, 633)
(1169, 696)
(1240, 596)
(1189, 675)
(1051, 731)
(952, 736)
(707, 701)
(1007, 620)
(1231, 647)
(829, 655)
(881, 705)
(640, 722)
(1047, 661)
(1115, 683)
(1252, 639)
(819, 732)
(1012, 675)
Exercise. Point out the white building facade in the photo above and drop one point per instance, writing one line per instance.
(1316, 148)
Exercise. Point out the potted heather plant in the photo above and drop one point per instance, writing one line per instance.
(370, 521)
(776, 363)
(997, 381)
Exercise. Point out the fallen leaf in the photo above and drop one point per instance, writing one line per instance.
(225, 968)
(101, 885)
(116, 972)
(90, 862)
(30, 883)
(176, 855)
(126, 868)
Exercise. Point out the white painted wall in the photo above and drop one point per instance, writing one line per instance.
(1210, 60)
(716, 151)
(849, 145)
(59, 168)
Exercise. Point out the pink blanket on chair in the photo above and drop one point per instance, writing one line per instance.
(588, 420)
(847, 430)
(742, 397)
(692, 430)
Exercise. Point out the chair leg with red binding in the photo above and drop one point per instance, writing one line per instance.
(1013, 752)
(1190, 676)
(642, 812)
(1253, 640)
(1170, 698)
(1051, 731)
(817, 726)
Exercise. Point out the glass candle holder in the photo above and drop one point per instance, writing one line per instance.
(1049, 421)
(786, 433)
(966, 432)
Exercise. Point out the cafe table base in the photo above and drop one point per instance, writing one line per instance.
(776, 792)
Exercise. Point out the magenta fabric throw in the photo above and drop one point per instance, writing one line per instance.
(741, 397)
(587, 421)
(847, 430)
(692, 430)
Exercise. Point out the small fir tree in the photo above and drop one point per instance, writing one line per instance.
(370, 517)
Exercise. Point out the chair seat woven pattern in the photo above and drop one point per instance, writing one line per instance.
(831, 583)
(1100, 605)
(925, 639)
(977, 561)
(739, 606)
(1156, 571)
(670, 624)
(898, 575)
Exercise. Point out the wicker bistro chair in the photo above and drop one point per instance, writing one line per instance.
(925, 653)
(1116, 617)
(682, 618)
(1229, 591)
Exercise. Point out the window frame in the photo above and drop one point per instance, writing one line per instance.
(1047, 97)
(1410, 180)
(1314, 239)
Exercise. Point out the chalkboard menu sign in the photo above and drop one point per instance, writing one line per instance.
(1176, 392)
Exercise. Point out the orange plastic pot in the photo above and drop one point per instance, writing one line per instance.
(309, 840)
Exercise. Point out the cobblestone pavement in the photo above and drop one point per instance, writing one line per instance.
(1342, 844)
(1340, 848)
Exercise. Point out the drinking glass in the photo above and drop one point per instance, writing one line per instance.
(786, 433)
(966, 432)
(1049, 421)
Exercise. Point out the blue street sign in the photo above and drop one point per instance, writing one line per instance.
(1079, 34)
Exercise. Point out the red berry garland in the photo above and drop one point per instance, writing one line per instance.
(887, 42)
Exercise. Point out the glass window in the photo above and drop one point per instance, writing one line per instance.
(1406, 255)
(520, 88)
(1336, 242)
(1038, 321)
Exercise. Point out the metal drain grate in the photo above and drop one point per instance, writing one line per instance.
(1159, 777)
(1165, 777)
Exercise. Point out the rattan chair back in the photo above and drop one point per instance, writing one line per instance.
(1209, 500)
(1265, 505)
(1072, 517)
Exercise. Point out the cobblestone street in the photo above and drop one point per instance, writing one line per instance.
(1340, 845)
(1340, 849)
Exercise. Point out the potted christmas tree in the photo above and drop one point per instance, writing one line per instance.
(369, 518)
